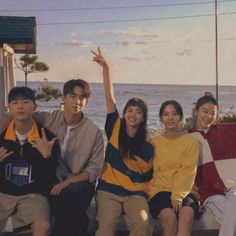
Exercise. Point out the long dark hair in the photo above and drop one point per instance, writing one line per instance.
(141, 134)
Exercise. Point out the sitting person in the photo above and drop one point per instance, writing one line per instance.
(128, 165)
(27, 167)
(81, 161)
(216, 177)
(173, 199)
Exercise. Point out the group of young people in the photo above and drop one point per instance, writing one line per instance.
(166, 175)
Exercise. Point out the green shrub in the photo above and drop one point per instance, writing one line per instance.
(46, 92)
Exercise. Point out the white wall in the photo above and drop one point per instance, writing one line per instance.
(7, 78)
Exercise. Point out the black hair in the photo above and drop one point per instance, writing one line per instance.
(71, 84)
(206, 99)
(141, 134)
(175, 104)
(21, 92)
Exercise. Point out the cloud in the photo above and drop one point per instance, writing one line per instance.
(131, 32)
(146, 52)
(137, 59)
(141, 42)
(127, 43)
(149, 56)
(134, 59)
(228, 39)
(77, 43)
(123, 43)
(186, 52)
(73, 34)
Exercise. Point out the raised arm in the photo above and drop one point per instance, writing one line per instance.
(108, 87)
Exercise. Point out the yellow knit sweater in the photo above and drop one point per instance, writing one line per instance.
(175, 165)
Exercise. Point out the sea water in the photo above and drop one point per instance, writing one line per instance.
(153, 94)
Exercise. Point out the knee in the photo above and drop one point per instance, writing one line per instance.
(141, 219)
(139, 222)
(42, 226)
(187, 219)
(168, 218)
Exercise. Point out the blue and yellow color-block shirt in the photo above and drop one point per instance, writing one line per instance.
(124, 175)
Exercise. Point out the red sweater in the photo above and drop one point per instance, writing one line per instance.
(217, 162)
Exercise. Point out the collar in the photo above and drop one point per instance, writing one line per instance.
(205, 132)
(81, 121)
(33, 134)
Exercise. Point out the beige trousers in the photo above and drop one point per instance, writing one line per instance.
(223, 209)
(23, 210)
(110, 208)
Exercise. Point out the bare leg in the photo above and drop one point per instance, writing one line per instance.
(168, 221)
(185, 221)
(40, 228)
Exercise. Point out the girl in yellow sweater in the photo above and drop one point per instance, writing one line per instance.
(175, 163)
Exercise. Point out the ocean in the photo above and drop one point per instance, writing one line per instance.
(153, 94)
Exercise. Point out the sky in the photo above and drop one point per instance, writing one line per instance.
(144, 41)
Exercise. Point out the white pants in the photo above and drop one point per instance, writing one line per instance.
(223, 209)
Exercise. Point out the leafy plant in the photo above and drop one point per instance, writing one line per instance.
(30, 64)
(228, 118)
(46, 92)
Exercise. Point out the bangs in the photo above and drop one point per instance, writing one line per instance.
(18, 93)
(137, 102)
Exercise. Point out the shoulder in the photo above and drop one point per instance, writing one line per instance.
(155, 139)
(112, 118)
(48, 116)
(56, 113)
(190, 142)
(89, 123)
(113, 115)
(224, 128)
(48, 133)
(90, 128)
(190, 138)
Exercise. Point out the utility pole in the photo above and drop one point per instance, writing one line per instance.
(216, 50)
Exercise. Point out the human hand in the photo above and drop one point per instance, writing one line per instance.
(99, 58)
(43, 145)
(58, 187)
(177, 205)
(4, 153)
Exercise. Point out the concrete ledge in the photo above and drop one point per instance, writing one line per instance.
(206, 224)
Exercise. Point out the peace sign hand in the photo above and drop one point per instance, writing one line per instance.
(43, 145)
(99, 58)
